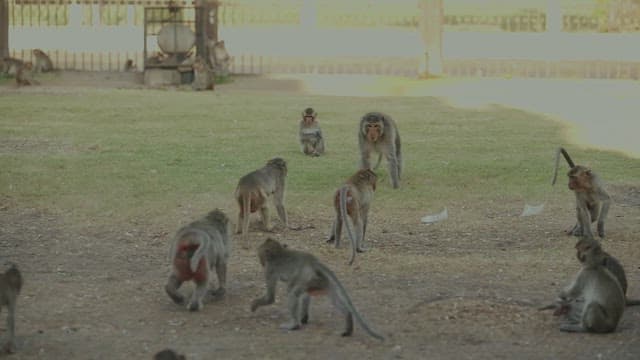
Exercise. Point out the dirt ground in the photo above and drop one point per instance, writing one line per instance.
(464, 288)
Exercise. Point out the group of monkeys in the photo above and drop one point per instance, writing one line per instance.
(24, 70)
(593, 302)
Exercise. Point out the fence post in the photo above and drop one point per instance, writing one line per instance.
(430, 28)
(4, 28)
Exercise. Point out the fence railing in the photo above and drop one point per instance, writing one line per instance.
(112, 32)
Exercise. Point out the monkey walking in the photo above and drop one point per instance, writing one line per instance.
(352, 201)
(252, 192)
(196, 250)
(305, 276)
(42, 61)
(10, 285)
(378, 132)
(594, 301)
(24, 75)
(310, 134)
(592, 200)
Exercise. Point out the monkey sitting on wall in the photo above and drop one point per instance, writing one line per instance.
(42, 62)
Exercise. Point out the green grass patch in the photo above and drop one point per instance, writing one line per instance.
(139, 153)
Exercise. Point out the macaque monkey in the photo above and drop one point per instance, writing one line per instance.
(252, 192)
(11, 65)
(310, 134)
(196, 250)
(10, 285)
(378, 132)
(24, 75)
(594, 302)
(220, 58)
(42, 61)
(352, 202)
(202, 77)
(592, 200)
(168, 354)
(129, 66)
(305, 276)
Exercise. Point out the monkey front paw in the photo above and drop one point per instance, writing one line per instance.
(194, 306)
(291, 326)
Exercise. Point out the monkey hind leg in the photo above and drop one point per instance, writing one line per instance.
(294, 303)
(595, 319)
(172, 289)
(266, 219)
(569, 326)
(196, 302)
(306, 300)
(221, 272)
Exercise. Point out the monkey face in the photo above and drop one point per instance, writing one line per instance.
(373, 131)
(580, 179)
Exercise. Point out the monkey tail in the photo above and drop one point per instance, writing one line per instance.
(203, 240)
(345, 220)
(564, 153)
(341, 295)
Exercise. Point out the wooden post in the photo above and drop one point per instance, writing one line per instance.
(430, 25)
(4, 28)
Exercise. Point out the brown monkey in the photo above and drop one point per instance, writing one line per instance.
(10, 285)
(592, 200)
(310, 134)
(202, 76)
(196, 249)
(42, 61)
(378, 132)
(220, 58)
(168, 354)
(594, 302)
(130, 66)
(253, 190)
(11, 65)
(24, 75)
(305, 276)
(352, 201)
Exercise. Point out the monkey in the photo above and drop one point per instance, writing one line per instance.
(129, 66)
(352, 201)
(196, 249)
(592, 200)
(11, 65)
(10, 285)
(310, 134)
(378, 132)
(24, 75)
(168, 354)
(220, 58)
(202, 77)
(43, 62)
(594, 301)
(305, 276)
(253, 190)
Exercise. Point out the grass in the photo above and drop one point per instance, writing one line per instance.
(148, 153)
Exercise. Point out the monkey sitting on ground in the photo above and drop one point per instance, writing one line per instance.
(378, 132)
(220, 58)
(305, 276)
(24, 75)
(42, 61)
(196, 249)
(168, 354)
(594, 302)
(253, 190)
(352, 201)
(129, 66)
(10, 285)
(310, 134)
(202, 77)
(592, 200)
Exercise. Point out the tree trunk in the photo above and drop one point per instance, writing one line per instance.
(430, 28)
